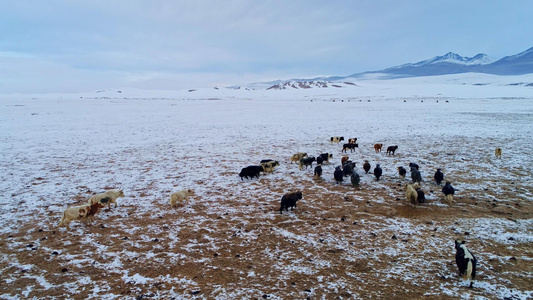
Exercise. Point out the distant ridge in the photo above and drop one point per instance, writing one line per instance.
(307, 84)
(521, 63)
(449, 63)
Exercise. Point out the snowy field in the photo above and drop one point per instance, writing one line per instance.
(230, 241)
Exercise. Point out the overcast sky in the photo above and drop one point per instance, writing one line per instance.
(86, 45)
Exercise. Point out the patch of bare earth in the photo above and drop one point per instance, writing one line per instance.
(341, 242)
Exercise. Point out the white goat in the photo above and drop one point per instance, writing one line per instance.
(180, 197)
(107, 198)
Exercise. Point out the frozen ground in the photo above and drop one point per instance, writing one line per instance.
(231, 241)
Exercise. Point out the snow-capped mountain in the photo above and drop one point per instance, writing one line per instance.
(521, 63)
(449, 63)
(452, 63)
(450, 57)
(480, 59)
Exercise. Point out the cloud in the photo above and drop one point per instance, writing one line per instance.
(149, 43)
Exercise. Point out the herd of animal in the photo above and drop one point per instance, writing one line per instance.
(466, 262)
(87, 212)
(414, 193)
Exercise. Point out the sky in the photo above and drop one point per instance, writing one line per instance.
(79, 46)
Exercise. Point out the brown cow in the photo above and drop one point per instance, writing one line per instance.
(498, 152)
(344, 159)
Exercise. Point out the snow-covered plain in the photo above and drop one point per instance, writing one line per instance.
(230, 241)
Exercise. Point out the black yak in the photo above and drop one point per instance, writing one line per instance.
(366, 166)
(318, 171)
(391, 149)
(402, 172)
(352, 147)
(307, 161)
(415, 175)
(289, 201)
(413, 165)
(466, 262)
(325, 157)
(448, 191)
(337, 174)
(348, 168)
(378, 172)
(355, 178)
(439, 177)
(421, 196)
(251, 172)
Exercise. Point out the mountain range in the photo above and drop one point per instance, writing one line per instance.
(449, 63)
